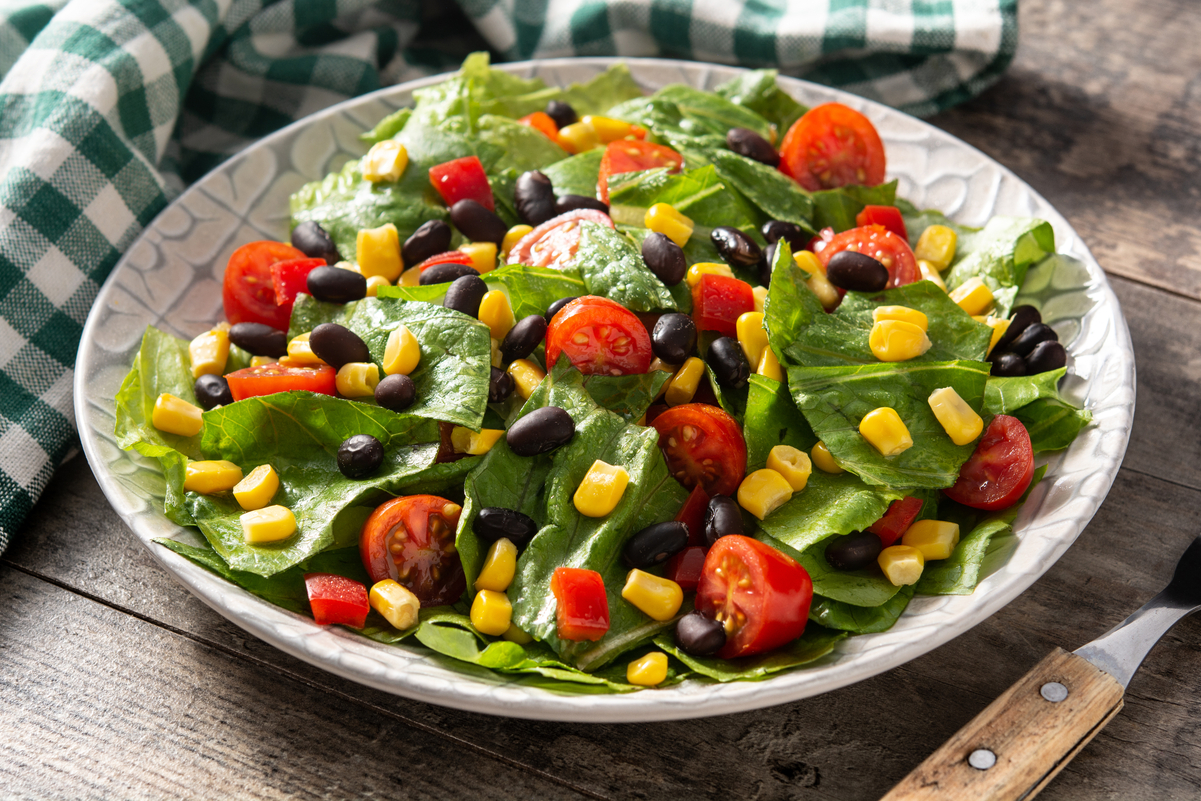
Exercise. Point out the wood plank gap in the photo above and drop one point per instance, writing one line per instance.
(1161, 478)
(1143, 281)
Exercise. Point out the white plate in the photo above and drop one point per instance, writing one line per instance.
(171, 278)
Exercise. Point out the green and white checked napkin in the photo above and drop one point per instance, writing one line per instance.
(108, 108)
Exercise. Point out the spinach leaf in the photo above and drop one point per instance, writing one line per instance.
(772, 192)
(732, 400)
(758, 91)
(772, 419)
(576, 175)
(533, 289)
(860, 619)
(595, 96)
(706, 112)
(918, 220)
(959, 574)
(791, 307)
(627, 395)
(999, 254)
(308, 313)
(830, 504)
(837, 208)
(524, 147)
(612, 267)
(657, 115)
(866, 588)
(1052, 423)
(388, 127)
(1007, 394)
(815, 643)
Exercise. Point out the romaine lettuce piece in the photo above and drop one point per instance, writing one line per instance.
(758, 91)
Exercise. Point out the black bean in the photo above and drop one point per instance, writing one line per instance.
(335, 285)
(477, 222)
(554, 308)
(430, 239)
(1007, 364)
(568, 203)
(722, 518)
(540, 431)
(212, 391)
(655, 544)
(735, 247)
(1021, 318)
(337, 345)
(1034, 334)
(674, 338)
(312, 240)
(793, 234)
(765, 264)
(746, 142)
(534, 197)
(447, 271)
(496, 523)
(664, 258)
(396, 392)
(259, 340)
(523, 338)
(562, 113)
(855, 551)
(465, 293)
(699, 635)
(728, 363)
(1049, 355)
(500, 386)
(856, 272)
(360, 455)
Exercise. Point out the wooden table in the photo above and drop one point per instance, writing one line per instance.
(115, 682)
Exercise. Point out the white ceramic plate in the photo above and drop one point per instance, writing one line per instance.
(171, 278)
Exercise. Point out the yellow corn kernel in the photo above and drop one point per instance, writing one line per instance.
(608, 129)
(210, 351)
(760, 293)
(512, 237)
(959, 420)
(357, 379)
(973, 296)
(751, 335)
(481, 254)
(578, 137)
(300, 352)
(176, 416)
(656, 597)
(902, 564)
(262, 361)
(648, 671)
(693, 276)
(808, 262)
(464, 440)
(937, 246)
(514, 634)
(683, 384)
(385, 161)
(930, 273)
(396, 603)
(410, 277)
(763, 492)
(496, 313)
(258, 488)
(499, 567)
(497, 359)
(824, 460)
(269, 524)
(902, 313)
(999, 326)
(663, 218)
(897, 341)
(374, 283)
(769, 365)
(601, 489)
(527, 375)
(402, 352)
(936, 539)
(885, 431)
(377, 250)
(817, 283)
(491, 612)
(209, 477)
(791, 463)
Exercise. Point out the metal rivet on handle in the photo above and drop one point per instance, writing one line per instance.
(1053, 691)
(982, 759)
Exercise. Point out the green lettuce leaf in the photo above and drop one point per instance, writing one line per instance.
(1007, 394)
(772, 419)
(576, 175)
(758, 91)
(837, 208)
(815, 643)
(830, 504)
(627, 395)
(1051, 421)
(594, 96)
(532, 289)
(791, 307)
(959, 573)
(706, 112)
(860, 619)
(772, 192)
(308, 313)
(612, 267)
(1000, 254)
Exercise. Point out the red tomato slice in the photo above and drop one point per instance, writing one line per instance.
(337, 599)
(554, 243)
(462, 179)
(833, 145)
(693, 513)
(888, 216)
(251, 382)
(247, 290)
(542, 122)
(582, 607)
(411, 540)
(821, 240)
(291, 276)
(633, 155)
(703, 445)
(999, 470)
(760, 595)
(896, 520)
(686, 567)
(882, 245)
(600, 337)
(449, 257)
(718, 301)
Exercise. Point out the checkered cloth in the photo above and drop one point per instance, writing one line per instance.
(108, 108)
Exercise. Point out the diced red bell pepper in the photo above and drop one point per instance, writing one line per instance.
(896, 520)
(692, 514)
(291, 276)
(888, 216)
(541, 121)
(718, 301)
(583, 607)
(337, 599)
(685, 568)
(449, 257)
(462, 179)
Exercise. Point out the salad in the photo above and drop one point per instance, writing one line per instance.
(601, 391)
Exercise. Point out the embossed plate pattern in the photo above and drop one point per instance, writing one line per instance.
(171, 278)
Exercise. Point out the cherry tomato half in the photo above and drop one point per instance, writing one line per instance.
(251, 382)
(882, 245)
(582, 608)
(600, 337)
(290, 277)
(718, 301)
(999, 470)
(692, 515)
(633, 155)
(702, 445)
(760, 595)
(462, 179)
(888, 216)
(554, 243)
(832, 145)
(247, 291)
(411, 539)
(896, 520)
(337, 599)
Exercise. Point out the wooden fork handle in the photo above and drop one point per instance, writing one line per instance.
(1015, 747)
